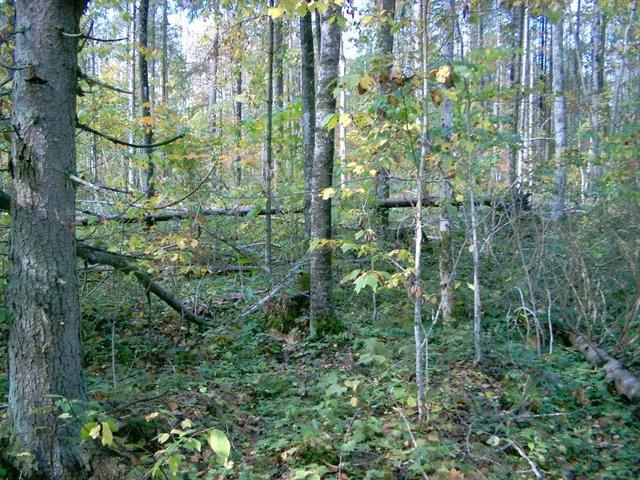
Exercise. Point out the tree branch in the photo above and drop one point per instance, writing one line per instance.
(87, 128)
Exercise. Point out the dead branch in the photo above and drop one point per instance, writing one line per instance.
(95, 256)
(626, 383)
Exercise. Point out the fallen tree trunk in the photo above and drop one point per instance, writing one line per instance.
(95, 256)
(626, 383)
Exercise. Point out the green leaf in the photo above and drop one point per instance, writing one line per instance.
(219, 443)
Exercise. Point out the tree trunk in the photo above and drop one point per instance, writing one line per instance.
(238, 113)
(444, 261)
(322, 172)
(165, 59)
(147, 136)
(45, 354)
(384, 48)
(268, 144)
(308, 87)
(559, 120)
(129, 170)
(278, 87)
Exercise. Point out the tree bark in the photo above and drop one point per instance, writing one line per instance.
(45, 354)
(308, 87)
(322, 172)
(268, 142)
(238, 113)
(278, 87)
(444, 254)
(147, 136)
(384, 48)
(165, 59)
(559, 120)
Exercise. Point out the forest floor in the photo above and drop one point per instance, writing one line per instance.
(343, 406)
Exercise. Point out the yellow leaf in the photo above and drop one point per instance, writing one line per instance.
(327, 193)
(275, 12)
(107, 435)
(95, 432)
(345, 119)
(147, 121)
(470, 285)
(443, 75)
(459, 198)
(354, 401)
(365, 84)
(151, 416)
(186, 423)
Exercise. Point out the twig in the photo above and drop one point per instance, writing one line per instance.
(534, 467)
(413, 440)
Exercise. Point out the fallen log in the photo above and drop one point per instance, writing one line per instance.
(101, 257)
(626, 383)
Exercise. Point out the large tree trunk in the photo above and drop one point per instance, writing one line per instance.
(559, 120)
(322, 172)
(308, 87)
(44, 348)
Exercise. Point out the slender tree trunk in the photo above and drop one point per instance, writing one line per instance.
(278, 89)
(559, 127)
(45, 354)
(147, 136)
(384, 48)
(342, 109)
(129, 170)
(477, 300)
(307, 83)
(446, 280)
(597, 85)
(238, 112)
(268, 144)
(516, 83)
(418, 328)
(165, 59)
(321, 308)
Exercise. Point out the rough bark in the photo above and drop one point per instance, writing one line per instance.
(44, 348)
(308, 87)
(559, 120)
(322, 172)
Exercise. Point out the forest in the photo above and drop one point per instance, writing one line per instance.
(319, 239)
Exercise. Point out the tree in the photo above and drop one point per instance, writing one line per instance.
(321, 307)
(308, 93)
(559, 120)
(145, 99)
(45, 354)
